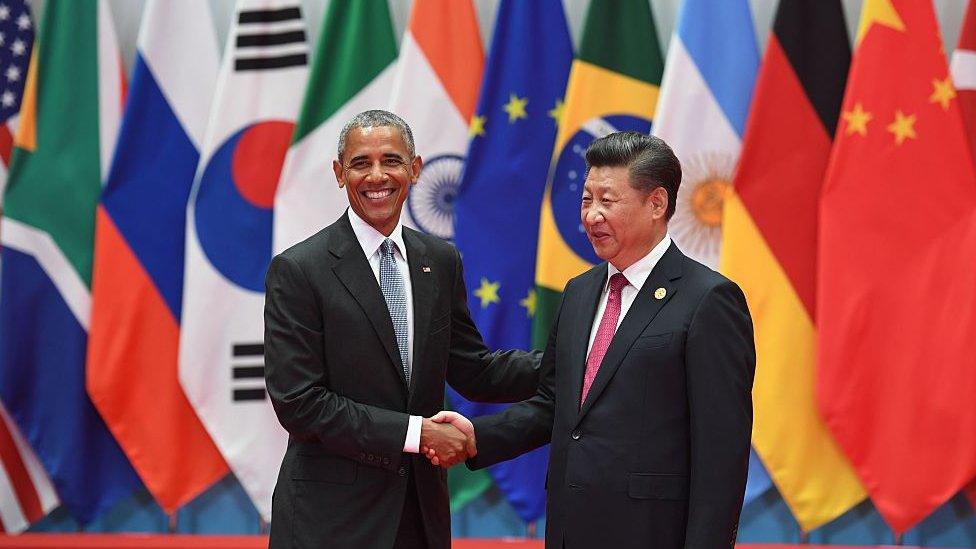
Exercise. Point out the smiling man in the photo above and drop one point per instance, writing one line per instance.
(364, 323)
(646, 379)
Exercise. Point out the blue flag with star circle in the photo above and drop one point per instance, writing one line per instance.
(497, 207)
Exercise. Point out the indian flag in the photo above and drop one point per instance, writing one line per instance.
(435, 91)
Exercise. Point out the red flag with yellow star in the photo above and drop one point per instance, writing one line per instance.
(895, 297)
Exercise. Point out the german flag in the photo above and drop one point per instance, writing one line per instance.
(770, 245)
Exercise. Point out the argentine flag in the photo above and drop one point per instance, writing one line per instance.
(705, 93)
(707, 86)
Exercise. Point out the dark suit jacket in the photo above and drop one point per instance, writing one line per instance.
(657, 457)
(335, 379)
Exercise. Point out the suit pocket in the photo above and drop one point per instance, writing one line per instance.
(440, 323)
(655, 341)
(337, 470)
(657, 486)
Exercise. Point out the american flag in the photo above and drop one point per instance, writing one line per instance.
(16, 39)
(26, 493)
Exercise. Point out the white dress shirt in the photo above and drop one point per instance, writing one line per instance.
(370, 239)
(636, 275)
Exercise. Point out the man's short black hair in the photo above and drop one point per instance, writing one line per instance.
(650, 161)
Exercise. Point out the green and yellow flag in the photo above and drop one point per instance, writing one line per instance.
(613, 86)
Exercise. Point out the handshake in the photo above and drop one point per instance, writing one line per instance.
(447, 439)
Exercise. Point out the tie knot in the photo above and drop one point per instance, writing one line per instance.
(387, 247)
(617, 283)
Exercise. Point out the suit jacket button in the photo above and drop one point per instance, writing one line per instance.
(402, 471)
(576, 435)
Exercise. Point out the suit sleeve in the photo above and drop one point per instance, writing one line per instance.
(295, 377)
(522, 427)
(721, 364)
(476, 373)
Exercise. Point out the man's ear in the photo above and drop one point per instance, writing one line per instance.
(659, 202)
(337, 170)
(416, 165)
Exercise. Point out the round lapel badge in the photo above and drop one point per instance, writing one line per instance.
(660, 293)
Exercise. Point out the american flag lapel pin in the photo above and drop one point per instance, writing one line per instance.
(425, 269)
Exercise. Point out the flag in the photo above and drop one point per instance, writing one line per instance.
(229, 242)
(613, 86)
(896, 312)
(17, 29)
(963, 69)
(497, 209)
(435, 90)
(706, 90)
(705, 94)
(353, 71)
(26, 492)
(769, 236)
(139, 244)
(69, 120)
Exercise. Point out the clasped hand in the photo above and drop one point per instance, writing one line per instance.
(447, 439)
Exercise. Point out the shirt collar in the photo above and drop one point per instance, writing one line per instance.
(637, 273)
(370, 239)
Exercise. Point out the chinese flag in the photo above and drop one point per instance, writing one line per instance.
(964, 76)
(896, 297)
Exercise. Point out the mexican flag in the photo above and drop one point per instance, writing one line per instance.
(352, 71)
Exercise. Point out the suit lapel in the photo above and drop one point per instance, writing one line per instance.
(354, 272)
(643, 310)
(589, 300)
(424, 296)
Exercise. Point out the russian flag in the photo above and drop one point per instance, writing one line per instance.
(137, 285)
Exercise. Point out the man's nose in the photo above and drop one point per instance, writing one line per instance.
(376, 172)
(592, 216)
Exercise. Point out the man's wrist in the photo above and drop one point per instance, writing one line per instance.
(412, 443)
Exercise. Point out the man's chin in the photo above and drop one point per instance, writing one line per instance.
(602, 251)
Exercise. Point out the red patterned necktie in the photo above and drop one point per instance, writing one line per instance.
(604, 334)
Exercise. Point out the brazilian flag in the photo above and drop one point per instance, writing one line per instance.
(613, 86)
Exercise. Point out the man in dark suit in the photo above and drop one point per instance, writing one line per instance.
(364, 321)
(647, 376)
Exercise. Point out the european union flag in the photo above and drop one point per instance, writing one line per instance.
(497, 207)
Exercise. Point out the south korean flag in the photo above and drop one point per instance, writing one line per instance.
(229, 238)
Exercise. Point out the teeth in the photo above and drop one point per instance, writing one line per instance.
(379, 194)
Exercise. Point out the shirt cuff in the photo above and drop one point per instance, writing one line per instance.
(412, 444)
